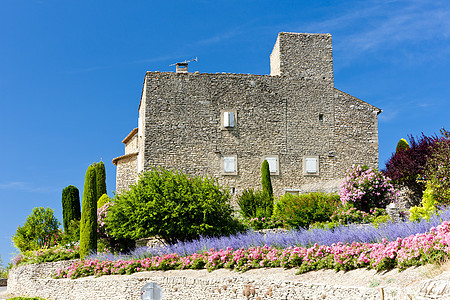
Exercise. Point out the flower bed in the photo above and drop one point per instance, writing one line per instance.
(413, 250)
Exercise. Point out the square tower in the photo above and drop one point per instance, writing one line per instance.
(303, 56)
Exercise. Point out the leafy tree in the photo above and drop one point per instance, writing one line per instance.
(70, 206)
(408, 167)
(88, 224)
(438, 169)
(100, 173)
(173, 206)
(39, 230)
(265, 179)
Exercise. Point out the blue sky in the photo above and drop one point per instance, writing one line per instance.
(71, 74)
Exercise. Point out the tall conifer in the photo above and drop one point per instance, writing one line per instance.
(70, 206)
(88, 224)
(100, 174)
(265, 179)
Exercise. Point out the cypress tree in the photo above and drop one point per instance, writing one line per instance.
(265, 179)
(88, 224)
(70, 206)
(100, 173)
(402, 145)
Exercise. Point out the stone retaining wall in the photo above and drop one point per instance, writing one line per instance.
(35, 280)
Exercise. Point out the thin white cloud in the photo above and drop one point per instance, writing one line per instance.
(26, 187)
(383, 25)
(16, 185)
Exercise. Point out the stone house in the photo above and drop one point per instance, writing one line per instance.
(225, 125)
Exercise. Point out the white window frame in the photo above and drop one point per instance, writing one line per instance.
(222, 164)
(225, 122)
(292, 191)
(306, 164)
(270, 159)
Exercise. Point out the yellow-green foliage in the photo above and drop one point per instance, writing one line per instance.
(427, 209)
(103, 200)
(402, 145)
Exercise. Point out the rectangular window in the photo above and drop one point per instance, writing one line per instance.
(229, 165)
(274, 164)
(228, 119)
(310, 165)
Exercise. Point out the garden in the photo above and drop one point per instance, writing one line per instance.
(199, 229)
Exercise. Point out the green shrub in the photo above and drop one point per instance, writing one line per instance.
(3, 270)
(40, 230)
(377, 221)
(73, 233)
(263, 223)
(88, 224)
(255, 204)
(100, 174)
(70, 205)
(427, 209)
(173, 206)
(102, 201)
(26, 298)
(305, 209)
(324, 225)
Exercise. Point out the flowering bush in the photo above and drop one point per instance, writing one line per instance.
(56, 253)
(350, 215)
(413, 250)
(366, 188)
(102, 212)
(106, 243)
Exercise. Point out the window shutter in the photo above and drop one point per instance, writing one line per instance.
(229, 164)
(311, 165)
(272, 164)
(228, 119)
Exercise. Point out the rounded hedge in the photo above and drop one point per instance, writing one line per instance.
(173, 206)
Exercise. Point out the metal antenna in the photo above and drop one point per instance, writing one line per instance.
(185, 62)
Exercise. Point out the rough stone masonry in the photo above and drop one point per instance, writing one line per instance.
(225, 125)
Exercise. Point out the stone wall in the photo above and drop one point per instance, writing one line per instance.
(276, 283)
(126, 173)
